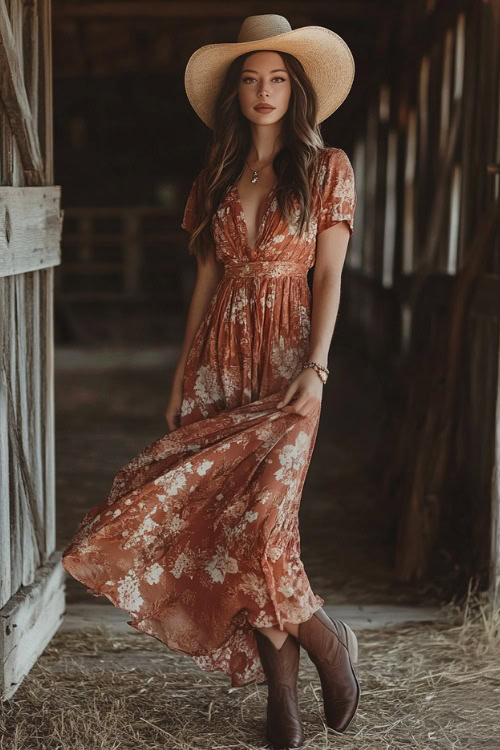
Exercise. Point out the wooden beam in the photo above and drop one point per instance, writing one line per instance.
(46, 126)
(359, 10)
(30, 229)
(494, 582)
(16, 103)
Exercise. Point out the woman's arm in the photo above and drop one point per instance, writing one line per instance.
(331, 250)
(330, 256)
(209, 273)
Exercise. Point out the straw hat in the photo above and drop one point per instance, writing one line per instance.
(326, 58)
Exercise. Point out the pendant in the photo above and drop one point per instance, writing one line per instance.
(255, 177)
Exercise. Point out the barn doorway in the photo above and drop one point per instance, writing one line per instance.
(400, 508)
(127, 149)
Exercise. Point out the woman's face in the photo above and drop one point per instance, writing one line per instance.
(264, 80)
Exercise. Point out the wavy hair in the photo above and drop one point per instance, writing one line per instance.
(231, 140)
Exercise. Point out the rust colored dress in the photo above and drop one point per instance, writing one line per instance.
(198, 539)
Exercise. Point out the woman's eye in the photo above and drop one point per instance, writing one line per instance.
(276, 78)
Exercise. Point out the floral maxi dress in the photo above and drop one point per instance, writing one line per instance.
(198, 539)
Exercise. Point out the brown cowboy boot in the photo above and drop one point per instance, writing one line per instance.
(281, 667)
(333, 647)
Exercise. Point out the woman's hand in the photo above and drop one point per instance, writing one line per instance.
(308, 389)
(173, 411)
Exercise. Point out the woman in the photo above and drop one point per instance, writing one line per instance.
(199, 536)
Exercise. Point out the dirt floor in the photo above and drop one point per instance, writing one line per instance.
(431, 686)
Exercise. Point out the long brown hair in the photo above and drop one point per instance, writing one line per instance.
(231, 141)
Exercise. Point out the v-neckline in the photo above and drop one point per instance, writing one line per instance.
(267, 205)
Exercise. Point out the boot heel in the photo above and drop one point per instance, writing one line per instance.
(352, 643)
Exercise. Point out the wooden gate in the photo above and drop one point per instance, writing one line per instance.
(31, 576)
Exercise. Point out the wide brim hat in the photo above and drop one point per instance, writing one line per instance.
(326, 58)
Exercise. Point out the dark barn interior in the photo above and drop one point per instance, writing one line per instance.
(399, 515)
(398, 505)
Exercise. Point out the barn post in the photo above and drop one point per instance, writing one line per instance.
(494, 581)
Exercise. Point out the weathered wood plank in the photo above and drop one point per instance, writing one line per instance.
(27, 493)
(47, 387)
(45, 124)
(5, 540)
(35, 425)
(30, 46)
(46, 382)
(18, 174)
(30, 229)
(15, 101)
(494, 572)
(476, 431)
(19, 429)
(15, 499)
(28, 622)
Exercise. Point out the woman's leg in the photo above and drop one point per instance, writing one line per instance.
(277, 636)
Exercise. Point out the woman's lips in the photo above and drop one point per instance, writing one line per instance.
(263, 108)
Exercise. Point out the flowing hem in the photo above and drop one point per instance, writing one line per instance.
(245, 625)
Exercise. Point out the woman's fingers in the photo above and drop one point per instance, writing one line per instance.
(288, 395)
(172, 419)
(298, 404)
(305, 405)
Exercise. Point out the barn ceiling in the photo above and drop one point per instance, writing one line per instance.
(121, 36)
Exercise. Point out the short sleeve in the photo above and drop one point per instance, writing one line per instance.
(337, 191)
(189, 210)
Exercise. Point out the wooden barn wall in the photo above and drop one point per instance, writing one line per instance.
(25, 326)
(477, 448)
(31, 591)
(426, 167)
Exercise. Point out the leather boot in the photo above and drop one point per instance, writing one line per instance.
(333, 647)
(281, 667)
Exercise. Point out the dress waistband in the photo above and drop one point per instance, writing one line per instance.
(273, 268)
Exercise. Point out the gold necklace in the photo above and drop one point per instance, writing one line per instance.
(255, 172)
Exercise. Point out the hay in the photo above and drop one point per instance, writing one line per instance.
(430, 685)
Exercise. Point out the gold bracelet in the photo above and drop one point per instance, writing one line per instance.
(322, 372)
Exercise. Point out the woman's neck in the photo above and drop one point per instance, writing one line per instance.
(266, 142)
